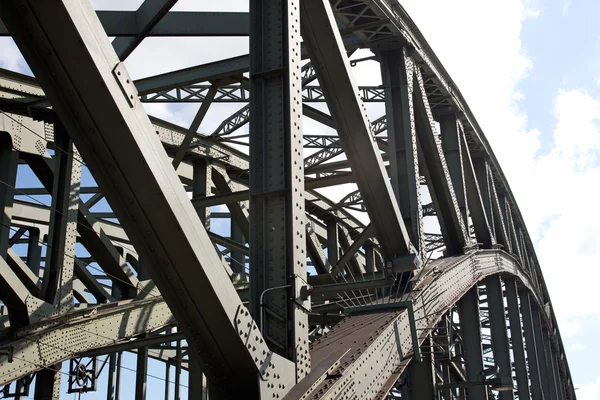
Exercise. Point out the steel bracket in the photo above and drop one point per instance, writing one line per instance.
(302, 293)
(410, 262)
(8, 352)
(126, 84)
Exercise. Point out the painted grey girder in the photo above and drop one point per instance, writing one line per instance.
(397, 72)
(147, 16)
(128, 24)
(333, 71)
(388, 27)
(90, 90)
(436, 172)
(277, 209)
(43, 344)
(372, 364)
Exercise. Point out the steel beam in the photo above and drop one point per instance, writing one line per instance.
(221, 69)
(141, 373)
(147, 16)
(129, 24)
(397, 72)
(482, 175)
(468, 308)
(499, 220)
(57, 282)
(193, 129)
(93, 234)
(112, 376)
(422, 375)
(475, 196)
(351, 252)
(202, 178)
(277, 216)
(90, 90)
(556, 373)
(516, 337)
(324, 44)
(47, 383)
(315, 250)
(8, 176)
(237, 205)
(451, 137)
(34, 250)
(437, 176)
(500, 345)
(533, 361)
(543, 356)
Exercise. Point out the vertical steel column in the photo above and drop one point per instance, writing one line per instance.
(369, 256)
(167, 380)
(141, 373)
(397, 75)
(560, 389)
(516, 335)
(504, 212)
(142, 352)
(238, 260)
(451, 144)
(47, 383)
(500, 345)
(542, 355)
(333, 243)
(118, 378)
(277, 237)
(468, 309)
(201, 188)
(112, 375)
(34, 251)
(114, 363)
(57, 283)
(532, 352)
(443, 340)
(483, 180)
(553, 371)
(197, 386)
(422, 375)
(178, 357)
(8, 176)
(168, 371)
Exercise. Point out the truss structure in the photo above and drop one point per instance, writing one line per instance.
(386, 258)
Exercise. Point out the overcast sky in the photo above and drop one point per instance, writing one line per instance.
(530, 71)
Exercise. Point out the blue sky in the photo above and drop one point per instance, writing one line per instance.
(563, 42)
(530, 70)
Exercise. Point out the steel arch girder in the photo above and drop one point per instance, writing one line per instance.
(434, 293)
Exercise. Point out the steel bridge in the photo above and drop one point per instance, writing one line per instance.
(386, 258)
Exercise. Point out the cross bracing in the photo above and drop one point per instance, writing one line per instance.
(370, 262)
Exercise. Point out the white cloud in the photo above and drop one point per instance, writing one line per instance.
(565, 180)
(576, 347)
(554, 191)
(590, 391)
(570, 327)
(565, 5)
